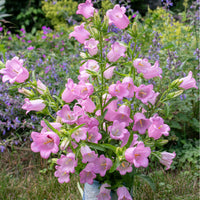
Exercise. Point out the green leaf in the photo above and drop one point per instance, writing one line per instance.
(109, 146)
(148, 180)
(96, 146)
(124, 75)
(76, 128)
(115, 165)
(51, 127)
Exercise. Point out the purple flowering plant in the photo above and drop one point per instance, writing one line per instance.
(106, 125)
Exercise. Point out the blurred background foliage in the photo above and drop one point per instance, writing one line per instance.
(33, 14)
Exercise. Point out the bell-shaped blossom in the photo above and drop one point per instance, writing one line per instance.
(188, 82)
(87, 105)
(62, 175)
(138, 155)
(152, 100)
(68, 116)
(166, 158)
(83, 76)
(119, 90)
(117, 17)
(88, 121)
(86, 9)
(135, 140)
(104, 193)
(142, 65)
(69, 93)
(158, 128)
(111, 107)
(41, 88)
(153, 71)
(87, 154)
(91, 65)
(128, 82)
(87, 175)
(45, 143)
(80, 33)
(117, 51)
(14, 71)
(123, 194)
(80, 134)
(84, 90)
(117, 130)
(144, 93)
(67, 163)
(91, 45)
(124, 167)
(93, 135)
(123, 115)
(102, 164)
(141, 123)
(35, 105)
(125, 138)
(108, 73)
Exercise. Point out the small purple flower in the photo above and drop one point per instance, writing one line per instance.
(104, 193)
(123, 193)
(62, 175)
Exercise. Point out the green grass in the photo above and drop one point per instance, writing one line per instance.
(21, 179)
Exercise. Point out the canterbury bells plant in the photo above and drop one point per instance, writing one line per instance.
(109, 123)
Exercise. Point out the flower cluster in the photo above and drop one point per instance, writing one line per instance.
(108, 124)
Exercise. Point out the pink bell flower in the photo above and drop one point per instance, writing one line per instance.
(69, 93)
(102, 164)
(141, 123)
(41, 88)
(153, 71)
(123, 115)
(123, 193)
(68, 116)
(91, 65)
(35, 105)
(117, 17)
(152, 100)
(84, 90)
(166, 159)
(117, 130)
(87, 175)
(104, 193)
(128, 82)
(80, 33)
(188, 82)
(158, 128)
(93, 135)
(125, 138)
(88, 121)
(138, 155)
(14, 71)
(62, 175)
(80, 134)
(119, 90)
(124, 167)
(87, 105)
(117, 51)
(68, 163)
(45, 143)
(142, 65)
(87, 154)
(108, 73)
(144, 93)
(86, 9)
(91, 45)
